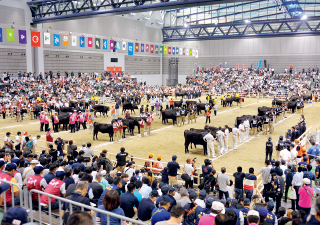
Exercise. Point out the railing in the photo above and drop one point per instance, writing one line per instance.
(71, 203)
(12, 194)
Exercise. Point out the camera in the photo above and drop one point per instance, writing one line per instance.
(60, 141)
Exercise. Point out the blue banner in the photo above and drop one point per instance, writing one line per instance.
(142, 47)
(173, 50)
(130, 48)
(118, 45)
(56, 40)
(260, 63)
(82, 42)
(1, 40)
(156, 49)
(104, 44)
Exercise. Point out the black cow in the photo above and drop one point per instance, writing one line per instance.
(103, 128)
(237, 100)
(263, 110)
(101, 109)
(169, 114)
(37, 109)
(196, 138)
(215, 129)
(202, 106)
(67, 109)
(292, 105)
(181, 94)
(306, 97)
(277, 102)
(136, 122)
(177, 104)
(129, 106)
(63, 119)
(228, 101)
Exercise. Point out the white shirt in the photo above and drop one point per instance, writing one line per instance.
(130, 171)
(6, 138)
(200, 203)
(17, 140)
(220, 135)
(246, 123)
(241, 127)
(294, 154)
(209, 138)
(188, 169)
(226, 133)
(235, 131)
(285, 154)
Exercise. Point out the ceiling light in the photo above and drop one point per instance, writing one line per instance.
(185, 25)
(147, 18)
(247, 21)
(133, 14)
(304, 17)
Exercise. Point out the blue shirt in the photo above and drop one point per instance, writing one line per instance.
(48, 177)
(145, 209)
(167, 198)
(159, 214)
(68, 180)
(313, 151)
(128, 202)
(145, 191)
(310, 175)
(193, 216)
(76, 196)
(113, 220)
(138, 195)
(110, 187)
(173, 168)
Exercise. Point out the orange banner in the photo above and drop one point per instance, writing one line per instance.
(114, 69)
(65, 40)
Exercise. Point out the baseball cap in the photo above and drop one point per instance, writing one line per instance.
(171, 189)
(306, 181)
(202, 193)
(154, 194)
(269, 138)
(234, 201)
(296, 141)
(29, 155)
(2, 162)
(17, 214)
(208, 130)
(103, 172)
(83, 144)
(11, 166)
(193, 195)
(34, 161)
(4, 187)
(253, 213)
(218, 206)
(60, 173)
(177, 186)
(263, 212)
(270, 205)
(209, 200)
(16, 161)
(165, 188)
(159, 157)
(38, 168)
(246, 201)
(8, 133)
(174, 157)
(151, 155)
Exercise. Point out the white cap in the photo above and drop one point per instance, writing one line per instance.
(253, 213)
(218, 206)
(306, 181)
(34, 161)
(103, 172)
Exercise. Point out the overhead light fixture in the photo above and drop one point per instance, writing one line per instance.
(185, 25)
(160, 22)
(304, 17)
(147, 18)
(216, 23)
(133, 14)
(247, 21)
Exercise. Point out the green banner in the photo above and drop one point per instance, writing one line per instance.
(190, 51)
(165, 50)
(161, 49)
(10, 34)
(97, 43)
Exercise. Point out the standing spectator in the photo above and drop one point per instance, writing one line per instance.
(250, 183)
(49, 137)
(17, 141)
(278, 184)
(269, 148)
(208, 114)
(305, 197)
(215, 108)
(238, 185)
(121, 159)
(146, 206)
(235, 136)
(70, 150)
(296, 184)
(8, 175)
(129, 202)
(315, 219)
(173, 167)
(223, 181)
(189, 169)
(206, 168)
(265, 172)
(110, 203)
(7, 141)
(288, 178)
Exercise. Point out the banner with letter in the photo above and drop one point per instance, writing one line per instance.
(151, 48)
(74, 40)
(104, 44)
(124, 45)
(147, 47)
(161, 49)
(169, 50)
(130, 48)
(82, 42)
(260, 63)
(10, 34)
(118, 45)
(90, 42)
(137, 47)
(65, 40)
(111, 44)
(1, 39)
(97, 43)
(35, 39)
(156, 49)
(165, 50)
(22, 37)
(56, 40)
(173, 50)
(46, 38)
(142, 47)
(197, 55)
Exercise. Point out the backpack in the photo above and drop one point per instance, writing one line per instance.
(30, 144)
(74, 209)
(108, 165)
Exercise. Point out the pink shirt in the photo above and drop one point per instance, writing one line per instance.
(86, 117)
(80, 116)
(207, 220)
(72, 119)
(305, 201)
(45, 119)
(41, 118)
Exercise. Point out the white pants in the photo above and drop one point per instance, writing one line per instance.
(117, 112)
(241, 137)
(226, 144)
(247, 133)
(220, 146)
(90, 128)
(210, 148)
(235, 141)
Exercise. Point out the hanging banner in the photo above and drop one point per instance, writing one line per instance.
(104, 44)
(137, 47)
(225, 65)
(46, 38)
(118, 45)
(35, 39)
(130, 48)
(197, 55)
(97, 43)
(124, 45)
(193, 52)
(165, 50)
(142, 47)
(56, 40)
(82, 42)
(156, 49)
(177, 51)
(74, 40)
(184, 51)
(111, 44)
(260, 63)
(65, 40)
(190, 51)
(161, 49)
(151, 48)
(10, 34)
(181, 50)
(22, 37)
(1, 39)
(173, 50)
(90, 42)
(147, 47)
(169, 50)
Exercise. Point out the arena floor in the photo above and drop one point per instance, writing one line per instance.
(167, 140)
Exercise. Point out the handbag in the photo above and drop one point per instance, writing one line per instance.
(317, 182)
(185, 177)
(293, 194)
